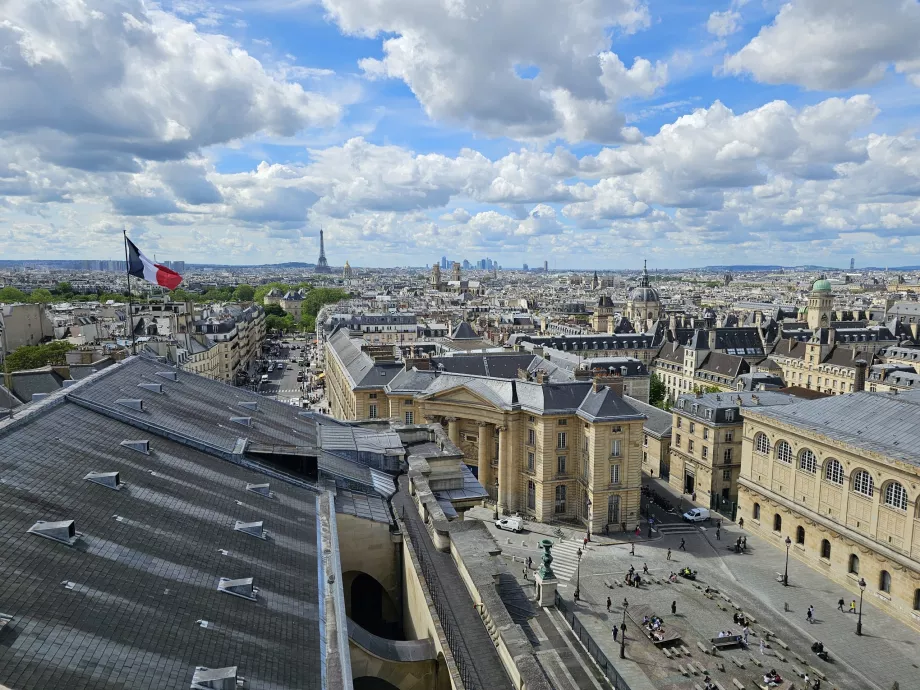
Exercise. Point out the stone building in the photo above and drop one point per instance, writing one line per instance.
(821, 364)
(656, 439)
(838, 476)
(603, 314)
(706, 442)
(643, 306)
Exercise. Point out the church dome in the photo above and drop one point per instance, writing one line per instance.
(643, 294)
(821, 285)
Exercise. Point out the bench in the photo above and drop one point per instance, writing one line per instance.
(685, 649)
(667, 652)
(799, 658)
(738, 684)
(781, 643)
(702, 647)
(683, 671)
(796, 671)
(767, 633)
(699, 667)
(818, 672)
(736, 662)
(727, 642)
(780, 657)
(755, 660)
(720, 666)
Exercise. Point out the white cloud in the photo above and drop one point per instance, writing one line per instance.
(834, 44)
(463, 62)
(724, 24)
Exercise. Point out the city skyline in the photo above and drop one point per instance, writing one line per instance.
(688, 135)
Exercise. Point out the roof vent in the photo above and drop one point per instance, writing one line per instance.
(111, 480)
(249, 404)
(39, 396)
(214, 678)
(155, 387)
(252, 528)
(245, 421)
(238, 588)
(64, 531)
(261, 489)
(171, 375)
(139, 446)
(133, 403)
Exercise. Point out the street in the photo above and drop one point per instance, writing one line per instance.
(282, 383)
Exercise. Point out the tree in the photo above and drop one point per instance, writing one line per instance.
(35, 356)
(707, 389)
(656, 391)
(41, 296)
(182, 295)
(317, 299)
(64, 289)
(11, 294)
(263, 290)
(307, 323)
(244, 293)
(274, 310)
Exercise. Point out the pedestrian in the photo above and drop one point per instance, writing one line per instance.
(745, 633)
(810, 615)
(853, 606)
(529, 562)
(673, 608)
(525, 573)
(718, 534)
(693, 496)
(741, 523)
(645, 568)
(743, 543)
(608, 604)
(584, 543)
(632, 549)
(683, 545)
(718, 524)
(637, 530)
(614, 633)
(669, 554)
(840, 603)
(762, 646)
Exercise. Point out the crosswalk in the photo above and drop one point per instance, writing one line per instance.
(565, 559)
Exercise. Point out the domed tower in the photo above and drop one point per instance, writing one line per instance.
(820, 304)
(643, 306)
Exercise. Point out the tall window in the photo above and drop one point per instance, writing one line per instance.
(807, 461)
(863, 483)
(853, 565)
(560, 464)
(799, 535)
(784, 452)
(727, 456)
(895, 496)
(729, 415)
(561, 440)
(726, 475)
(531, 496)
(777, 523)
(692, 427)
(884, 581)
(560, 500)
(614, 474)
(705, 450)
(825, 549)
(690, 446)
(615, 449)
(729, 436)
(372, 412)
(705, 430)
(833, 471)
(410, 417)
(531, 461)
(756, 512)
(677, 440)
(613, 509)
(531, 437)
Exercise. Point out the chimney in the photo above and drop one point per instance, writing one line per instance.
(859, 379)
(712, 338)
(616, 385)
(755, 399)
(540, 376)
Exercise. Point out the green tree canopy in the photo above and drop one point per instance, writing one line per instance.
(41, 295)
(35, 356)
(263, 290)
(244, 293)
(274, 310)
(656, 391)
(64, 289)
(320, 297)
(11, 294)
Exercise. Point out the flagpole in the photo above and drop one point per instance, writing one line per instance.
(124, 234)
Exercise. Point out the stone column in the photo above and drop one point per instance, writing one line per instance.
(485, 454)
(504, 460)
(453, 430)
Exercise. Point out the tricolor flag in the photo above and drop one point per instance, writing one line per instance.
(140, 266)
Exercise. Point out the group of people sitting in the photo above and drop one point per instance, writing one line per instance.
(686, 572)
(654, 627)
(740, 619)
(772, 678)
(632, 577)
(726, 633)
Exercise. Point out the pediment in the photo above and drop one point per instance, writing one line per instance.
(461, 395)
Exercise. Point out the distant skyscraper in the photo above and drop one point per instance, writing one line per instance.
(852, 264)
(466, 265)
(526, 267)
(444, 263)
(322, 266)
(546, 266)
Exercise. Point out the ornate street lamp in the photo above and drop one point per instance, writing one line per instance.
(588, 534)
(786, 574)
(578, 576)
(862, 588)
(623, 631)
(496, 499)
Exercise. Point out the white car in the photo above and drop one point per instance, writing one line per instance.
(696, 515)
(512, 524)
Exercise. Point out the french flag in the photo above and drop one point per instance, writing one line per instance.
(140, 266)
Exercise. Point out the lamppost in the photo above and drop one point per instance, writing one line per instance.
(786, 574)
(496, 499)
(578, 576)
(588, 534)
(862, 588)
(623, 631)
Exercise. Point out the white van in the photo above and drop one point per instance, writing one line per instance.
(696, 515)
(515, 523)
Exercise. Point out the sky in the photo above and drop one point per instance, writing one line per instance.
(585, 133)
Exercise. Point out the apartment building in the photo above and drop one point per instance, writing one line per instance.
(656, 439)
(23, 324)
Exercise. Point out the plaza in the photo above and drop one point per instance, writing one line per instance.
(883, 654)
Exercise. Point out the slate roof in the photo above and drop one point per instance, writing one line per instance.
(724, 365)
(605, 405)
(879, 422)
(25, 384)
(741, 401)
(78, 372)
(657, 423)
(464, 331)
(120, 609)
(502, 366)
(360, 368)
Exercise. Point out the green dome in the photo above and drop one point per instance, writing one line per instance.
(821, 285)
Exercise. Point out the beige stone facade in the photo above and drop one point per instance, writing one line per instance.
(850, 512)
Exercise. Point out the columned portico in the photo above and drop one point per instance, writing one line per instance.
(485, 453)
(453, 430)
(504, 458)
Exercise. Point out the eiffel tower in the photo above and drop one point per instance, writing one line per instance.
(322, 266)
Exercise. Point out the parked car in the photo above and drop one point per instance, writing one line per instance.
(696, 515)
(513, 524)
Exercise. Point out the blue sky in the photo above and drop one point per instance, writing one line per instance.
(587, 133)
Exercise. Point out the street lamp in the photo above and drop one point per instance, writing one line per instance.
(578, 576)
(588, 534)
(862, 588)
(496, 499)
(623, 631)
(786, 574)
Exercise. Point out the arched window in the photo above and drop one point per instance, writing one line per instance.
(807, 461)
(531, 496)
(863, 483)
(833, 471)
(825, 549)
(777, 523)
(853, 566)
(799, 535)
(895, 496)
(884, 581)
(756, 513)
(762, 443)
(784, 452)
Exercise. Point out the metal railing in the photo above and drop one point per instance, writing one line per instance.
(587, 640)
(462, 656)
